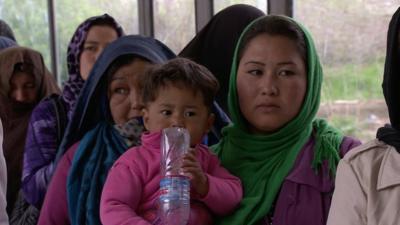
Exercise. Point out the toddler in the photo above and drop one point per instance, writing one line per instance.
(177, 94)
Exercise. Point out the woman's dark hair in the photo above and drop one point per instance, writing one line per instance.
(183, 73)
(276, 26)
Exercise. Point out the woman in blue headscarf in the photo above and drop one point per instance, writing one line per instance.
(105, 121)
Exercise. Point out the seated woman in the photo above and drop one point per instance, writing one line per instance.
(103, 126)
(3, 182)
(50, 118)
(24, 81)
(285, 157)
(368, 178)
(213, 48)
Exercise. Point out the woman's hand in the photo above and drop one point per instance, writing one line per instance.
(192, 168)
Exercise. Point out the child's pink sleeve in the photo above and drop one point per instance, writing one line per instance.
(121, 195)
(225, 190)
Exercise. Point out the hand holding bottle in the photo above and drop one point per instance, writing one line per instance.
(192, 168)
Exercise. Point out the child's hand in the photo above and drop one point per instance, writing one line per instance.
(192, 168)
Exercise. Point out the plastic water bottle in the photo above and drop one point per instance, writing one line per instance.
(174, 199)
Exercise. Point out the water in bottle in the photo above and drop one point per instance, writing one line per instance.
(174, 200)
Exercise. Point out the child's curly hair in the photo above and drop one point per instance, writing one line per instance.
(182, 73)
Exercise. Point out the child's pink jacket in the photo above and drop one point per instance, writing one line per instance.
(130, 194)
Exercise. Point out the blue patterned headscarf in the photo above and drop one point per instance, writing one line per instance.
(74, 84)
(100, 144)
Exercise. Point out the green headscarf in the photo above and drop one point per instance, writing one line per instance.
(263, 161)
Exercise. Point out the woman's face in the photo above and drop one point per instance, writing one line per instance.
(23, 88)
(271, 83)
(125, 102)
(98, 37)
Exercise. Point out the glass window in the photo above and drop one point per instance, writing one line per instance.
(125, 13)
(351, 42)
(29, 22)
(174, 22)
(221, 4)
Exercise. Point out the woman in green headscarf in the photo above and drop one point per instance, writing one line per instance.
(285, 157)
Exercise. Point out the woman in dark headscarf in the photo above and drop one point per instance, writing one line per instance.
(103, 126)
(368, 178)
(213, 48)
(24, 81)
(51, 116)
(284, 155)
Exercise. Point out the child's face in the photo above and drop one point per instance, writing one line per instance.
(178, 107)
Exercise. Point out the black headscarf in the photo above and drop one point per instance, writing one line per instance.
(214, 45)
(390, 134)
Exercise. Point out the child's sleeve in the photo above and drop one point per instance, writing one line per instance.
(120, 198)
(225, 190)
